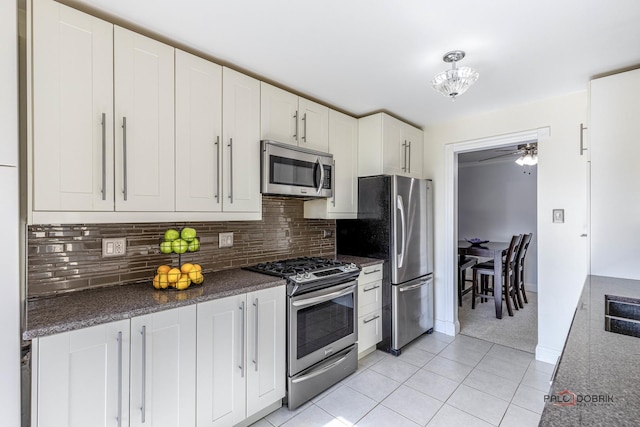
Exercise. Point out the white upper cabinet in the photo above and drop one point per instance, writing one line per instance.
(198, 134)
(240, 142)
(343, 144)
(72, 110)
(294, 120)
(144, 123)
(389, 146)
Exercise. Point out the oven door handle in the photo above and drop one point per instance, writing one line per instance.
(323, 298)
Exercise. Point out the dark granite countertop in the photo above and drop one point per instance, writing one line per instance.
(358, 260)
(81, 309)
(597, 365)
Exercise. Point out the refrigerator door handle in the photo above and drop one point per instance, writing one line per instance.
(403, 226)
(416, 286)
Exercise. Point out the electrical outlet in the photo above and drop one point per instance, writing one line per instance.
(225, 240)
(114, 247)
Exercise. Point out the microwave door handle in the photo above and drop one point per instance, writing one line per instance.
(403, 226)
(321, 166)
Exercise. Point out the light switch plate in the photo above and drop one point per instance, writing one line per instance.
(114, 247)
(225, 240)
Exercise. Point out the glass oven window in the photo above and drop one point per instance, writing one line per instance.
(322, 324)
(287, 171)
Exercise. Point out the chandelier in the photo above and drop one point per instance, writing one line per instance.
(456, 81)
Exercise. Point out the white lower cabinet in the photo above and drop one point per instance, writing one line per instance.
(163, 378)
(138, 372)
(81, 378)
(369, 309)
(240, 356)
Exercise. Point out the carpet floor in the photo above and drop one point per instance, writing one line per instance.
(519, 331)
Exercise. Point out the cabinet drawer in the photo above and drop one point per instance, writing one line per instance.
(370, 274)
(369, 330)
(369, 297)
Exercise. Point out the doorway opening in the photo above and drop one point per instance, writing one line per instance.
(455, 154)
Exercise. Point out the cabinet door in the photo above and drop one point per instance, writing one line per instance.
(395, 152)
(163, 377)
(144, 124)
(266, 344)
(278, 115)
(221, 361)
(343, 144)
(241, 142)
(83, 377)
(369, 330)
(414, 158)
(313, 119)
(72, 110)
(198, 134)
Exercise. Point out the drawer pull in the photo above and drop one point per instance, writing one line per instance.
(371, 288)
(372, 271)
(372, 319)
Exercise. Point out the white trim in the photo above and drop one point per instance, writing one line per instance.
(450, 319)
(545, 354)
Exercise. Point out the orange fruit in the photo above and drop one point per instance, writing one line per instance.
(163, 269)
(174, 274)
(186, 267)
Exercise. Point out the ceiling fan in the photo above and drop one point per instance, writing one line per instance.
(528, 154)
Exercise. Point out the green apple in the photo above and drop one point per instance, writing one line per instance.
(188, 234)
(179, 246)
(170, 235)
(194, 245)
(165, 247)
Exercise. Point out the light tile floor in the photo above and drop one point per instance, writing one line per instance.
(437, 381)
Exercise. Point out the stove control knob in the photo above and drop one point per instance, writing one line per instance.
(307, 275)
(352, 266)
(299, 277)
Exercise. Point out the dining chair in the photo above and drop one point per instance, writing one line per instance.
(486, 270)
(519, 268)
(464, 263)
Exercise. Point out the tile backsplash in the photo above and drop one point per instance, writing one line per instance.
(64, 258)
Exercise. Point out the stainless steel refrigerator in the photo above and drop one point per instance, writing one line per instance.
(395, 224)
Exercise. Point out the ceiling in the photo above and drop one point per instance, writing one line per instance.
(362, 56)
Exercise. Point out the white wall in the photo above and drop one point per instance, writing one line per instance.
(497, 200)
(562, 183)
(9, 225)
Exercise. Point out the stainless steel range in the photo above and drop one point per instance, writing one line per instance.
(322, 318)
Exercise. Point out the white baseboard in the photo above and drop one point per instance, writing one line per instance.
(548, 355)
(447, 328)
(531, 287)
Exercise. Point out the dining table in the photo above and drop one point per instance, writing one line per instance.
(494, 250)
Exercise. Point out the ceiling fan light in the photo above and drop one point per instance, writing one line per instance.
(520, 161)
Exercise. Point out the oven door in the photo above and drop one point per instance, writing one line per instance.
(292, 171)
(321, 323)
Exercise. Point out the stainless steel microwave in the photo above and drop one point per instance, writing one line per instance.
(293, 171)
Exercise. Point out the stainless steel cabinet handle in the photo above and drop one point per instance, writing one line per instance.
(333, 183)
(371, 288)
(143, 408)
(119, 415)
(295, 118)
(242, 355)
(104, 156)
(230, 169)
(404, 156)
(217, 144)
(372, 271)
(409, 160)
(124, 156)
(255, 334)
(377, 316)
(304, 119)
(582, 129)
